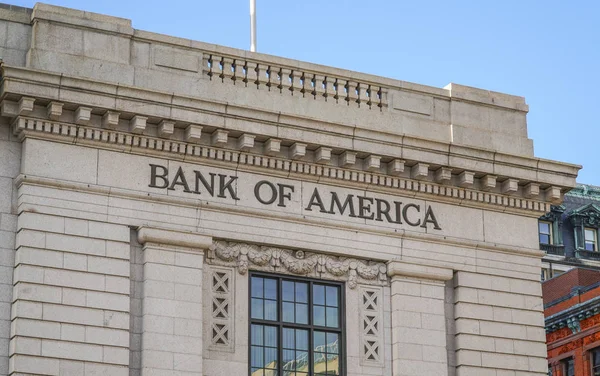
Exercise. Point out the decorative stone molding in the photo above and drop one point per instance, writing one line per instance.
(587, 216)
(29, 127)
(371, 325)
(246, 256)
(572, 317)
(409, 269)
(554, 214)
(173, 238)
(222, 309)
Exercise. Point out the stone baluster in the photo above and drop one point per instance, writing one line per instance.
(206, 65)
(261, 76)
(309, 88)
(352, 98)
(371, 95)
(286, 83)
(340, 90)
(274, 78)
(329, 91)
(361, 88)
(216, 67)
(251, 77)
(319, 87)
(296, 83)
(227, 73)
(238, 70)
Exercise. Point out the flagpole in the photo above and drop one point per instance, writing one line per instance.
(253, 25)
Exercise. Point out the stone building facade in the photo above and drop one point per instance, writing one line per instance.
(171, 207)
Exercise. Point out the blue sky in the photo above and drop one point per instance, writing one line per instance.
(547, 51)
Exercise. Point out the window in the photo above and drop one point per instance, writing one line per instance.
(295, 327)
(545, 231)
(595, 353)
(568, 367)
(590, 239)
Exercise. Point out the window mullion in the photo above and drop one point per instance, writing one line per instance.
(311, 356)
(280, 323)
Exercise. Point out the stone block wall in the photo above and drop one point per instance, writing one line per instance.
(71, 300)
(10, 160)
(498, 325)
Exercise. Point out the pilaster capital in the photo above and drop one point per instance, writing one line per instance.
(173, 238)
(401, 268)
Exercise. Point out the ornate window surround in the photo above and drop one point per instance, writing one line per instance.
(587, 216)
(247, 256)
(553, 216)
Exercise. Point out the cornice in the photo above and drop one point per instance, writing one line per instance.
(446, 163)
(26, 127)
(572, 316)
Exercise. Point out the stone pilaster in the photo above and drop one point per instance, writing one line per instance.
(172, 301)
(499, 326)
(418, 319)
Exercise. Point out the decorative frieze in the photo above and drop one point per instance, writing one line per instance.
(247, 256)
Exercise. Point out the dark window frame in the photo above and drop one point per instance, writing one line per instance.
(550, 232)
(280, 324)
(565, 366)
(593, 352)
(593, 242)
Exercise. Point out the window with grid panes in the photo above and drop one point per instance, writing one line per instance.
(295, 327)
(545, 232)
(591, 243)
(595, 354)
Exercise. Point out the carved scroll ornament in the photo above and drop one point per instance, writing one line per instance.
(256, 257)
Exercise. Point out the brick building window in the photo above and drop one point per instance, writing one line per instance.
(295, 326)
(545, 232)
(591, 239)
(595, 360)
(568, 367)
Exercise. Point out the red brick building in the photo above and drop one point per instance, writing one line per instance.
(572, 314)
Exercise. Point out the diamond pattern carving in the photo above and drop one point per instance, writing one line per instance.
(222, 309)
(371, 318)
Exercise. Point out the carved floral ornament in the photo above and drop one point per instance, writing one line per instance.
(246, 256)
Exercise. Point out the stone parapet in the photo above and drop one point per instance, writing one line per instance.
(105, 48)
